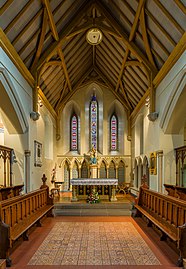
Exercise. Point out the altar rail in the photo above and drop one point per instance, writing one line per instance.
(167, 213)
(18, 214)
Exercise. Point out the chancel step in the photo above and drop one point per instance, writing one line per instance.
(85, 209)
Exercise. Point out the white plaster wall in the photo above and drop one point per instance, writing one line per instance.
(154, 137)
(35, 130)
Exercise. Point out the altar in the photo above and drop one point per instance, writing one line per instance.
(93, 182)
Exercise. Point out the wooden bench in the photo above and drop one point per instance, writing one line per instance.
(10, 191)
(167, 213)
(176, 191)
(20, 213)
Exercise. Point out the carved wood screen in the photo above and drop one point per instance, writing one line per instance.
(6, 165)
(181, 166)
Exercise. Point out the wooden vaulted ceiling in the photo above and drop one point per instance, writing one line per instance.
(138, 39)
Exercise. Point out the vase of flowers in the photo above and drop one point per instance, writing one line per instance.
(93, 198)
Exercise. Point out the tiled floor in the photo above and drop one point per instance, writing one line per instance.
(106, 242)
(94, 243)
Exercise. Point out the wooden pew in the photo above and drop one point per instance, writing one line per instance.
(11, 191)
(176, 191)
(167, 213)
(20, 213)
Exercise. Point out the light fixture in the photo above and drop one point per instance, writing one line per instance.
(94, 36)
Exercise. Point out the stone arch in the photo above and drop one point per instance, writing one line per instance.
(117, 108)
(174, 114)
(10, 104)
(121, 172)
(103, 169)
(84, 169)
(112, 169)
(70, 108)
(75, 169)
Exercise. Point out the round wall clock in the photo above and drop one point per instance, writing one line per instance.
(94, 36)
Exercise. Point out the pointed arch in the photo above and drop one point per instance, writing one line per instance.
(103, 170)
(16, 121)
(174, 114)
(75, 170)
(121, 172)
(112, 169)
(84, 170)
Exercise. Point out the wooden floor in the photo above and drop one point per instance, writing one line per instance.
(25, 250)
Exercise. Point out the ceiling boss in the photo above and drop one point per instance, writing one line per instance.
(94, 36)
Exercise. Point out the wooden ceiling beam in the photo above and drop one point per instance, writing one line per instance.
(180, 5)
(167, 35)
(41, 40)
(65, 100)
(111, 63)
(78, 67)
(51, 19)
(12, 23)
(145, 36)
(12, 54)
(169, 16)
(111, 88)
(173, 57)
(56, 37)
(134, 99)
(47, 104)
(125, 94)
(15, 40)
(107, 72)
(157, 56)
(111, 54)
(61, 96)
(131, 46)
(160, 44)
(62, 35)
(5, 6)
(61, 55)
(79, 30)
(107, 67)
(131, 36)
(58, 89)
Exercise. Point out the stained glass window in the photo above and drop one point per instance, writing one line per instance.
(114, 132)
(74, 132)
(93, 122)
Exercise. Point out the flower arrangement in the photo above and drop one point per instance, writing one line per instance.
(93, 198)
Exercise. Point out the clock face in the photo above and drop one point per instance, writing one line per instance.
(94, 36)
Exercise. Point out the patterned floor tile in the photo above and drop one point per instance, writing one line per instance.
(94, 243)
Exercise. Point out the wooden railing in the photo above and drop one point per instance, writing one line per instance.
(166, 212)
(18, 214)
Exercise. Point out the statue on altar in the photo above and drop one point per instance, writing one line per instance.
(93, 156)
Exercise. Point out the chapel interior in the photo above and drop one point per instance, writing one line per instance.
(92, 133)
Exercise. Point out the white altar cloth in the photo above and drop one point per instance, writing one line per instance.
(94, 181)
